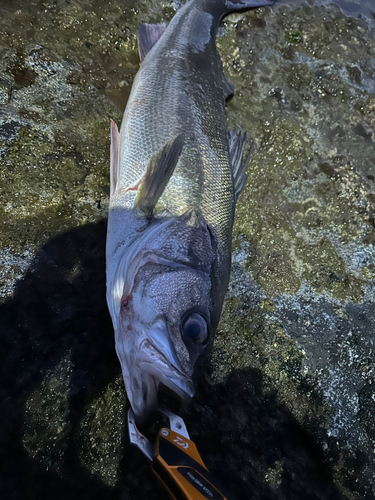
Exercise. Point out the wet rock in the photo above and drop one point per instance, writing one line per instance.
(101, 431)
(46, 422)
(291, 392)
(303, 229)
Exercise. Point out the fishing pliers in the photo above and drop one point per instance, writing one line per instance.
(176, 461)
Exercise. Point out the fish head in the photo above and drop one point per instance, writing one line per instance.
(163, 322)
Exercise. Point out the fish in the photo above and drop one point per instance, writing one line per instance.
(175, 177)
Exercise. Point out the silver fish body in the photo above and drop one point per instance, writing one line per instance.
(175, 177)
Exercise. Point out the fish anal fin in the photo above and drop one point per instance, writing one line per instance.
(115, 157)
(158, 172)
(227, 87)
(148, 35)
(238, 160)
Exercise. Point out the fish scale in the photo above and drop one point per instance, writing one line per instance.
(171, 96)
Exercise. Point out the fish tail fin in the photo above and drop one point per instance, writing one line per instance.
(222, 8)
(232, 5)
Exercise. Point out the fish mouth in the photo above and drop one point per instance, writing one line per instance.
(158, 359)
(164, 370)
(153, 362)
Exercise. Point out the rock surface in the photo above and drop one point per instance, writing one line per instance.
(288, 410)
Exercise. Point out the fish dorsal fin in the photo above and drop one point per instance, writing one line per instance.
(115, 157)
(238, 161)
(148, 35)
(158, 172)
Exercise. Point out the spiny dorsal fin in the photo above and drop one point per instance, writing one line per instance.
(158, 172)
(148, 35)
(238, 162)
(115, 157)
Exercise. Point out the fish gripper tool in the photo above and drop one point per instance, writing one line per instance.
(176, 461)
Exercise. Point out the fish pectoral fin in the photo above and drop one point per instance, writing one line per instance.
(238, 161)
(148, 35)
(158, 172)
(115, 157)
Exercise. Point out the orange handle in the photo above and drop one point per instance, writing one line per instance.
(180, 469)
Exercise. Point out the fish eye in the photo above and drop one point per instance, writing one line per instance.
(194, 329)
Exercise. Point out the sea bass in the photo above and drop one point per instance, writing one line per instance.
(176, 174)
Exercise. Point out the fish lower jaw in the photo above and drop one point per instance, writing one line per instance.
(182, 389)
(144, 396)
(148, 363)
(155, 364)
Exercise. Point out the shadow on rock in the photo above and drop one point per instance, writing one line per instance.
(56, 318)
(57, 355)
(253, 444)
